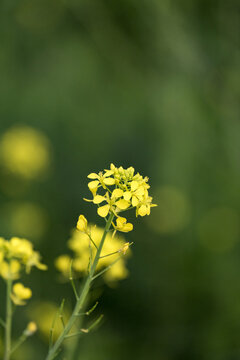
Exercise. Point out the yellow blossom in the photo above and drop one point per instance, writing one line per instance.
(34, 260)
(20, 293)
(16, 254)
(20, 248)
(101, 179)
(103, 210)
(131, 191)
(122, 204)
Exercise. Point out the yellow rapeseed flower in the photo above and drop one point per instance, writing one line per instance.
(130, 191)
(101, 180)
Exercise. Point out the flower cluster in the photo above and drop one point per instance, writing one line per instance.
(122, 189)
(15, 255)
(80, 244)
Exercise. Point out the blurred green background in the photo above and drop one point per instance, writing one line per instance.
(150, 84)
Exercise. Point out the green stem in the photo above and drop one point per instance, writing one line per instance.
(20, 341)
(81, 300)
(8, 323)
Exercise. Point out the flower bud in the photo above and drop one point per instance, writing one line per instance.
(30, 329)
(82, 223)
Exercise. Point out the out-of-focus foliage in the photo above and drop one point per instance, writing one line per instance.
(150, 84)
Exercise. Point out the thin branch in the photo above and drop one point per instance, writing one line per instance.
(92, 309)
(107, 268)
(52, 329)
(20, 341)
(86, 331)
(90, 237)
(113, 253)
(61, 313)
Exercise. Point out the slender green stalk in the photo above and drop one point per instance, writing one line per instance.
(8, 323)
(20, 341)
(82, 298)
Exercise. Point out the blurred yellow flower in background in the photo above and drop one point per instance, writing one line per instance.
(31, 328)
(10, 270)
(79, 243)
(25, 152)
(17, 254)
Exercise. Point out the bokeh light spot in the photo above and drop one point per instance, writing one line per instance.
(27, 220)
(25, 152)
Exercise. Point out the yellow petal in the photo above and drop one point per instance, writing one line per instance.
(109, 181)
(117, 193)
(135, 201)
(108, 173)
(127, 227)
(98, 199)
(103, 210)
(121, 221)
(93, 176)
(93, 184)
(134, 185)
(41, 266)
(142, 211)
(127, 195)
(140, 191)
(122, 204)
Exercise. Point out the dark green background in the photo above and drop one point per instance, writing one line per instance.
(152, 84)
